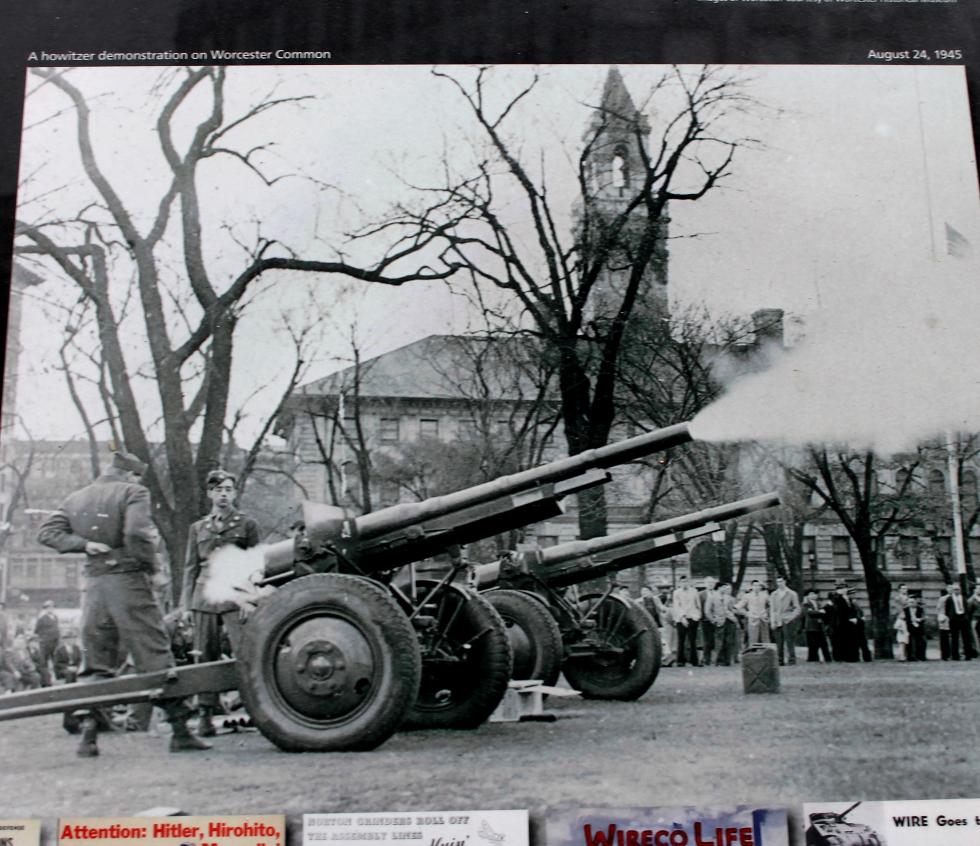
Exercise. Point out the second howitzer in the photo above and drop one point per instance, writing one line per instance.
(607, 645)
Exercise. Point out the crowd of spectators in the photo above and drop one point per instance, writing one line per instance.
(709, 623)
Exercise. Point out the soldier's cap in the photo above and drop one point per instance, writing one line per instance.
(216, 477)
(49, 603)
(841, 584)
(127, 461)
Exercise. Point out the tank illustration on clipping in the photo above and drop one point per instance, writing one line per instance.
(828, 828)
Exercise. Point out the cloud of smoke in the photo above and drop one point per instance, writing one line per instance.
(891, 363)
(229, 573)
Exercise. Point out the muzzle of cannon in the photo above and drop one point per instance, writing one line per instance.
(607, 645)
(580, 561)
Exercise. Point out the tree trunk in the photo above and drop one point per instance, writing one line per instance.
(879, 598)
(592, 513)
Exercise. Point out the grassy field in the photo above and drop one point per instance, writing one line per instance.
(839, 732)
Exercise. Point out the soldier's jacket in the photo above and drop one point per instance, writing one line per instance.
(112, 511)
(207, 535)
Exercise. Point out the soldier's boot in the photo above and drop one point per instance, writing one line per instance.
(88, 746)
(205, 726)
(184, 740)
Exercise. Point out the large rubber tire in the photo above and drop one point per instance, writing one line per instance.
(466, 660)
(626, 651)
(534, 636)
(328, 663)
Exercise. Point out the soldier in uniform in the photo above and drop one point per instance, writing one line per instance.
(224, 526)
(109, 520)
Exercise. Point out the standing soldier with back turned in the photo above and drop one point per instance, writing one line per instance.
(109, 520)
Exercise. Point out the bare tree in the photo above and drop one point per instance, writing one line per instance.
(189, 305)
(560, 277)
(871, 498)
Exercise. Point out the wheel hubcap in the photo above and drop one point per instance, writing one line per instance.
(324, 668)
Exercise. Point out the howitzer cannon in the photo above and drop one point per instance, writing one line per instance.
(607, 645)
(340, 654)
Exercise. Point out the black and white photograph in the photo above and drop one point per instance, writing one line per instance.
(499, 436)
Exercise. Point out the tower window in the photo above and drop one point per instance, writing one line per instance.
(620, 170)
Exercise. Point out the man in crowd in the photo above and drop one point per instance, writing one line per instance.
(784, 610)
(686, 611)
(973, 612)
(813, 624)
(951, 610)
(846, 625)
(47, 629)
(754, 606)
(862, 631)
(109, 520)
(648, 599)
(915, 623)
(728, 627)
(668, 630)
(712, 619)
(223, 526)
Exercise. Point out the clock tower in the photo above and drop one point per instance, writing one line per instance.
(614, 170)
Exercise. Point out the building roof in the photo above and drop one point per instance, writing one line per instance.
(436, 367)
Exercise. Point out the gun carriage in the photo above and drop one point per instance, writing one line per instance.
(341, 654)
(607, 645)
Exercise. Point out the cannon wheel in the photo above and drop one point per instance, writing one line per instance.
(534, 636)
(327, 663)
(625, 655)
(466, 659)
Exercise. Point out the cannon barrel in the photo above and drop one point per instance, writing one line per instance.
(401, 516)
(573, 562)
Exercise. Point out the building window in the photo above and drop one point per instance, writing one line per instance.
(907, 552)
(901, 476)
(544, 541)
(968, 490)
(841, 545)
(973, 544)
(620, 169)
(810, 552)
(428, 428)
(389, 430)
(937, 484)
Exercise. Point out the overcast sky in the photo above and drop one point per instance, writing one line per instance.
(859, 171)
